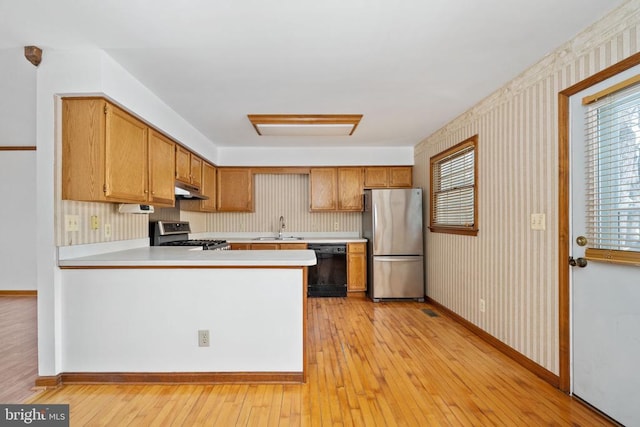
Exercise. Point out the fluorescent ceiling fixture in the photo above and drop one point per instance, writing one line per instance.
(305, 124)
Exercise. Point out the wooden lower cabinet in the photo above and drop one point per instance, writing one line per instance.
(356, 267)
(293, 246)
(267, 246)
(240, 246)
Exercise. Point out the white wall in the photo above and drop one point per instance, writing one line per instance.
(148, 320)
(18, 220)
(325, 156)
(17, 171)
(74, 73)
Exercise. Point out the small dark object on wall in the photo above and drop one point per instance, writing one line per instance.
(33, 54)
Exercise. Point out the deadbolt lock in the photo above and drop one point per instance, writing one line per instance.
(581, 241)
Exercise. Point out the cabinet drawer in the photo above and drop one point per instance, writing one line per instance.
(356, 248)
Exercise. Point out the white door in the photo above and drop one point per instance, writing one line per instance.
(605, 210)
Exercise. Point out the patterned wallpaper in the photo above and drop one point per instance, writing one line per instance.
(509, 265)
(275, 195)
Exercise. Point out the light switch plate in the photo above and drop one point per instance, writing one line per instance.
(538, 221)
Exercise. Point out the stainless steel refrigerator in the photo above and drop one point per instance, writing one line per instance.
(392, 224)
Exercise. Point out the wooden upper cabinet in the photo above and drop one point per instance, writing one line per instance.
(183, 164)
(401, 176)
(188, 167)
(235, 190)
(335, 189)
(388, 177)
(208, 187)
(350, 189)
(376, 177)
(104, 153)
(323, 189)
(196, 171)
(125, 156)
(161, 169)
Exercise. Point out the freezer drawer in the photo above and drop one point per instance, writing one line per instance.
(397, 277)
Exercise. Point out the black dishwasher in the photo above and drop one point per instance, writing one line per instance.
(328, 278)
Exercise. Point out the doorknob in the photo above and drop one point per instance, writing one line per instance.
(580, 262)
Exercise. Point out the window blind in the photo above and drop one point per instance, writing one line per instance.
(453, 192)
(612, 137)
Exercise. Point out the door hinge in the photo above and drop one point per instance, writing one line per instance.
(104, 188)
(105, 108)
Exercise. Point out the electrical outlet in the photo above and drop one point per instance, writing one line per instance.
(483, 305)
(107, 230)
(95, 222)
(203, 338)
(71, 223)
(336, 226)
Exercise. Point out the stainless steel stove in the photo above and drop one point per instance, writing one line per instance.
(176, 233)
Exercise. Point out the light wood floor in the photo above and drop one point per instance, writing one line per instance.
(18, 348)
(369, 364)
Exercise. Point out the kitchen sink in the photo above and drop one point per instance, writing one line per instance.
(278, 238)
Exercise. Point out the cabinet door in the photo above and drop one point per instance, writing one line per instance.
(195, 171)
(83, 131)
(265, 246)
(209, 187)
(240, 246)
(323, 189)
(376, 177)
(125, 157)
(400, 176)
(183, 164)
(293, 246)
(161, 169)
(350, 189)
(235, 190)
(356, 267)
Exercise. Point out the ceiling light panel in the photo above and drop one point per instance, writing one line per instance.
(305, 125)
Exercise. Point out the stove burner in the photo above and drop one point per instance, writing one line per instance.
(206, 244)
(176, 233)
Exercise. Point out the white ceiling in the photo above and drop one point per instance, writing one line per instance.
(409, 66)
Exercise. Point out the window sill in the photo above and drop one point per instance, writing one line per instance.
(453, 230)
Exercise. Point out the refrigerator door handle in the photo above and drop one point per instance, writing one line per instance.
(417, 258)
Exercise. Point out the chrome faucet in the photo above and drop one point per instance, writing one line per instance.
(281, 227)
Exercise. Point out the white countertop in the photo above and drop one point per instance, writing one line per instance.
(265, 237)
(301, 240)
(184, 257)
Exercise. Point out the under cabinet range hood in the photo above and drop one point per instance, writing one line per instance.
(135, 209)
(186, 191)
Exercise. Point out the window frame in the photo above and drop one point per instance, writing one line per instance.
(611, 96)
(461, 229)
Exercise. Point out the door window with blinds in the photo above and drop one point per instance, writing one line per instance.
(612, 137)
(453, 189)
